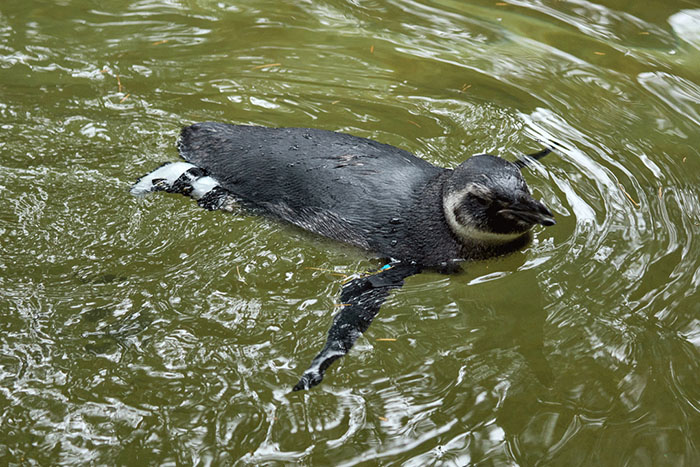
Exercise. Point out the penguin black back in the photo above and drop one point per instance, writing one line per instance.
(344, 187)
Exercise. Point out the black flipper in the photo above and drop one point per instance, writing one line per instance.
(362, 298)
(527, 159)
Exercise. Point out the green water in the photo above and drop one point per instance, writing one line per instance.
(151, 332)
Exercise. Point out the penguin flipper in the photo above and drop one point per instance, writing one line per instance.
(361, 298)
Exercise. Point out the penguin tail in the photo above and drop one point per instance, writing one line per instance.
(186, 179)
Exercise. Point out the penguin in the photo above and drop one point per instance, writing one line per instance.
(358, 191)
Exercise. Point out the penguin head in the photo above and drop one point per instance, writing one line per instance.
(486, 200)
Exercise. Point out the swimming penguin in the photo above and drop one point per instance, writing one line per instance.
(358, 191)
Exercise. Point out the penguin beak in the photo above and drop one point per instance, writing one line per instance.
(530, 211)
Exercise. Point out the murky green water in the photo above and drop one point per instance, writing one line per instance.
(153, 332)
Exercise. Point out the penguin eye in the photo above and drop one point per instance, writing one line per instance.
(480, 193)
(481, 198)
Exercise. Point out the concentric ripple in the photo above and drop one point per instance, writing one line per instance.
(150, 331)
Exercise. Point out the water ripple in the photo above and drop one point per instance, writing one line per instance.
(153, 330)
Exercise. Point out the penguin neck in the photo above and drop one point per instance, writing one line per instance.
(430, 241)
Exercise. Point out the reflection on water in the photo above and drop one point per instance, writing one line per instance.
(152, 331)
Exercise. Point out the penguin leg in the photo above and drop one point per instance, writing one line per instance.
(361, 299)
(189, 180)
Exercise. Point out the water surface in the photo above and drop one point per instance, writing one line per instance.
(154, 332)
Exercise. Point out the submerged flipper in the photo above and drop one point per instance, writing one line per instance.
(361, 299)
